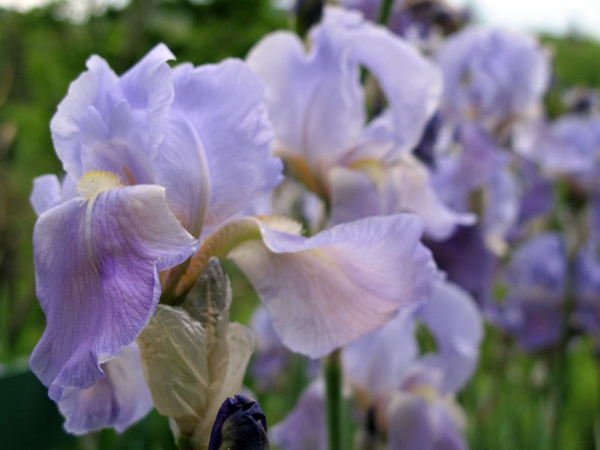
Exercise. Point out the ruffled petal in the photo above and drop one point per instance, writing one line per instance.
(411, 83)
(405, 187)
(107, 123)
(97, 264)
(118, 400)
(46, 193)
(326, 291)
(97, 88)
(223, 105)
(148, 88)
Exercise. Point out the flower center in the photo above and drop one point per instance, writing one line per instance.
(94, 182)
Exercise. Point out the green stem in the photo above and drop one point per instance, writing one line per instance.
(332, 366)
(385, 11)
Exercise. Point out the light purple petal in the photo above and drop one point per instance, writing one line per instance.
(467, 261)
(118, 400)
(113, 143)
(411, 83)
(409, 423)
(305, 427)
(492, 74)
(97, 267)
(223, 105)
(149, 89)
(314, 101)
(587, 288)
(501, 209)
(455, 322)
(98, 88)
(181, 167)
(404, 187)
(536, 278)
(415, 423)
(354, 195)
(46, 193)
(378, 361)
(325, 291)
(107, 123)
(410, 182)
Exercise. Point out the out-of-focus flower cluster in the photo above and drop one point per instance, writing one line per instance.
(420, 197)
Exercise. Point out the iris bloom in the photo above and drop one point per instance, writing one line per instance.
(492, 76)
(407, 396)
(536, 281)
(159, 163)
(316, 102)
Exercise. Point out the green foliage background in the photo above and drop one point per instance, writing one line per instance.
(511, 402)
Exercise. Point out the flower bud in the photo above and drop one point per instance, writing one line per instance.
(240, 424)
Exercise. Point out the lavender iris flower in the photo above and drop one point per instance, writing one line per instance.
(493, 76)
(567, 147)
(423, 22)
(409, 395)
(315, 101)
(536, 282)
(162, 161)
(148, 160)
(479, 178)
(587, 289)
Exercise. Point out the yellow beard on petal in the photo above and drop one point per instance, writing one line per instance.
(94, 182)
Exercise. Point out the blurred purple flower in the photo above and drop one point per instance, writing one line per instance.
(304, 427)
(587, 289)
(479, 178)
(315, 101)
(536, 283)
(408, 397)
(569, 146)
(492, 76)
(413, 394)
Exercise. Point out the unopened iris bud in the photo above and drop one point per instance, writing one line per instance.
(240, 424)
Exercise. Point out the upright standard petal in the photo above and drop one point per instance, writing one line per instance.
(314, 101)
(118, 400)
(411, 83)
(97, 261)
(115, 124)
(326, 291)
(222, 105)
(149, 89)
(46, 193)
